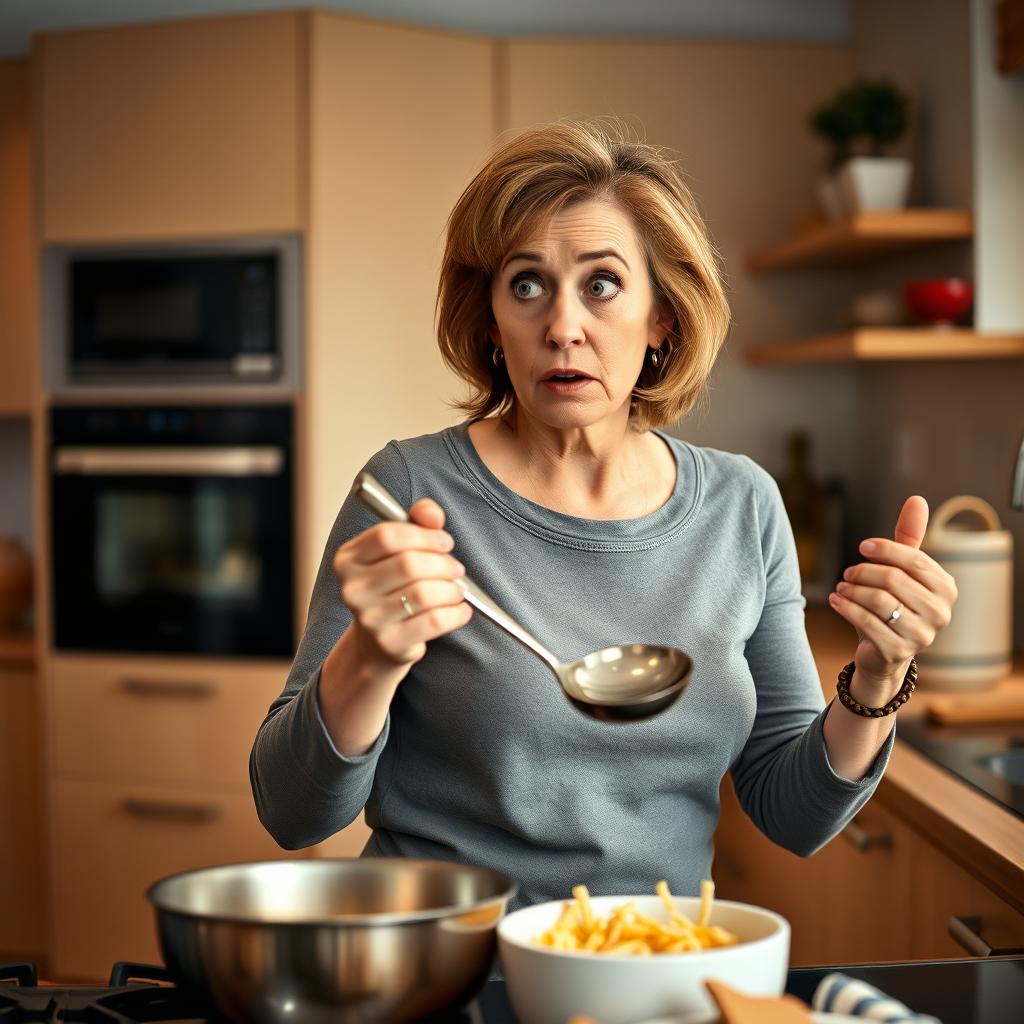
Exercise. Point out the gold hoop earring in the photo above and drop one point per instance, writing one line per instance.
(497, 356)
(656, 358)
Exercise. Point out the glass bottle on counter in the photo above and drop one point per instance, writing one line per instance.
(806, 502)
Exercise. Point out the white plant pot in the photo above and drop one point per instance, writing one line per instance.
(875, 183)
(830, 197)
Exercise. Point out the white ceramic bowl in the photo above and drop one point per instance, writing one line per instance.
(547, 986)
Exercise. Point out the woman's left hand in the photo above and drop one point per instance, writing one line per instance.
(897, 576)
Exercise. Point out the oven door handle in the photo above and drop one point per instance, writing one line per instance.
(195, 461)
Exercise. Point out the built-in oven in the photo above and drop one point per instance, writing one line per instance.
(172, 529)
(213, 313)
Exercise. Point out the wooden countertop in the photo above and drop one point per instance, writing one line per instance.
(971, 828)
(17, 649)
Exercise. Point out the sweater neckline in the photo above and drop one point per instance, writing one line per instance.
(639, 534)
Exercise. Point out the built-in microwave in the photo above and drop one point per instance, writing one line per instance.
(210, 313)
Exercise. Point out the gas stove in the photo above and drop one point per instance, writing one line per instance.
(985, 990)
(136, 993)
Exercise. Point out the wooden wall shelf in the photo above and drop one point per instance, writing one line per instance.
(889, 344)
(858, 239)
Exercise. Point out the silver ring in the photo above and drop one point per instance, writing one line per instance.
(896, 614)
(406, 605)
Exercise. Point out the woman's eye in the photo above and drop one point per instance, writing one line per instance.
(521, 288)
(605, 286)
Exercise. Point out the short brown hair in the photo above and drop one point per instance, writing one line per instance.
(531, 178)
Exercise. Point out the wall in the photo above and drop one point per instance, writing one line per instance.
(999, 178)
(941, 429)
(749, 19)
(16, 475)
(735, 115)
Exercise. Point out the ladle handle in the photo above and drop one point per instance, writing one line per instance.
(375, 496)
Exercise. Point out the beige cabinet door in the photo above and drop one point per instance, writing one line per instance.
(186, 128)
(944, 891)
(112, 841)
(158, 720)
(839, 902)
(17, 277)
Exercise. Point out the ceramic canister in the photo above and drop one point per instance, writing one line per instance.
(975, 650)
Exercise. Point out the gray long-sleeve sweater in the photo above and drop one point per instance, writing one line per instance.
(482, 759)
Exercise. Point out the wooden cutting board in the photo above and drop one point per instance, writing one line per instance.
(1002, 704)
(738, 1008)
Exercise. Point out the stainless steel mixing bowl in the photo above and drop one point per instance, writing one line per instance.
(345, 940)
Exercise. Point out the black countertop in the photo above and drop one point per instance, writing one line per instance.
(986, 757)
(980, 991)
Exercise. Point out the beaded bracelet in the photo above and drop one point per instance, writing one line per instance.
(901, 698)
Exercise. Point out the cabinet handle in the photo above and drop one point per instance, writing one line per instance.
(967, 931)
(167, 688)
(863, 841)
(196, 813)
(234, 460)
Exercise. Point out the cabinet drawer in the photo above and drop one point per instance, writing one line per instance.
(944, 891)
(838, 911)
(1000, 926)
(111, 842)
(157, 721)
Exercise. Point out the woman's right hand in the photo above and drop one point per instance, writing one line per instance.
(389, 561)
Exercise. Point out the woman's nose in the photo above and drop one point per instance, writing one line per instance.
(565, 327)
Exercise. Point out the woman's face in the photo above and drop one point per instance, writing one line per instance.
(576, 298)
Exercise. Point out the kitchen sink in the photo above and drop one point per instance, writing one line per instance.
(988, 757)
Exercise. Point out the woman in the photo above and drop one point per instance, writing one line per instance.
(581, 302)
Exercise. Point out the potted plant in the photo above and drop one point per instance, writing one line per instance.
(860, 123)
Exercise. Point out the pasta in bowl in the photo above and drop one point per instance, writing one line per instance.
(621, 959)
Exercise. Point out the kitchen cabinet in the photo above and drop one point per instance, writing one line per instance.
(925, 848)
(941, 889)
(218, 127)
(17, 294)
(181, 129)
(879, 891)
(22, 913)
(839, 902)
(153, 721)
(114, 840)
(386, 166)
(148, 776)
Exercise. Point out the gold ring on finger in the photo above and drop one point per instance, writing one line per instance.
(405, 604)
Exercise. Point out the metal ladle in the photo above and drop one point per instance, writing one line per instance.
(614, 684)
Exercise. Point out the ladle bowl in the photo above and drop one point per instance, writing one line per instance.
(615, 684)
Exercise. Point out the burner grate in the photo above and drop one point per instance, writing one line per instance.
(138, 994)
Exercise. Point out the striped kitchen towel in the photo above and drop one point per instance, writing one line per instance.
(839, 993)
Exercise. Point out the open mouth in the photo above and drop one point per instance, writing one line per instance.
(566, 376)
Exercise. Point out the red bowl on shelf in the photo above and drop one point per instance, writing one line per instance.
(939, 302)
